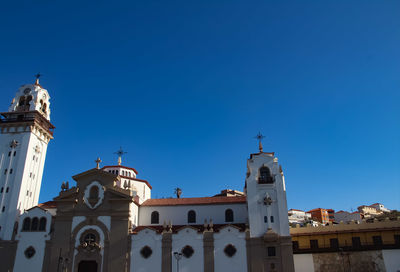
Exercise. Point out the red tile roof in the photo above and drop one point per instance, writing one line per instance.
(195, 201)
(48, 205)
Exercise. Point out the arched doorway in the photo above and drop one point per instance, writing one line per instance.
(87, 266)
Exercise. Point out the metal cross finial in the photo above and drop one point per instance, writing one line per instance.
(259, 137)
(37, 76)
(120, 152)
(98, 161)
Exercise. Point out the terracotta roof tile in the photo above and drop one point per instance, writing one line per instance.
(195, 201)
(48, 205)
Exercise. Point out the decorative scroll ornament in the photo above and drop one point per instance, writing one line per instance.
(90, 246)
(14, 144)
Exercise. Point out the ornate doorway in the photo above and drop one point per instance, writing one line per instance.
(87, 266)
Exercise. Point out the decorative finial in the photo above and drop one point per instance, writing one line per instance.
(37, 76)
(98, 161)
(120, 152)
(259, 137)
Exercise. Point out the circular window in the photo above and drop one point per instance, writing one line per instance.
(89, 238)
(146, 252)
(230, 250)
(187, 251)
(29, 252)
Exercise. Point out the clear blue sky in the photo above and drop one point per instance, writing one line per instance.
(184, 86)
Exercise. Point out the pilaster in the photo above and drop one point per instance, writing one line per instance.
(208, 244)
(166, 252)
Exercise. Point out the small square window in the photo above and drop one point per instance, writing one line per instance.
(397, 239)
(356, 242)
(271, 251)
(314, 244)
(377, 240)
(334, 243)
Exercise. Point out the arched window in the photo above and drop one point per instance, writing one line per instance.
(21, 101)
(28, 100)
(44, 108)
(26, 226)
(155, 217)
(265, 176)
(89, 238)
(191, 216)
(94, 192)
(228, 215)
(35, 224)
(42, 224)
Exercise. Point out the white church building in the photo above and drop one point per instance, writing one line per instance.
(108, 221)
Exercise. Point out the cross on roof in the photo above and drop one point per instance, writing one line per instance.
(37, 76)
(120, 152)
(259, 137)
(98, 161)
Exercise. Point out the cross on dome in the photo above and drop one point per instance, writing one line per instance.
(259, 137)
(37, 76)
(120, 153)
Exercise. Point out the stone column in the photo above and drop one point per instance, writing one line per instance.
(166, 252)
(208, 244)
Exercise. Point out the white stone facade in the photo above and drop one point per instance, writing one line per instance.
(23, 150)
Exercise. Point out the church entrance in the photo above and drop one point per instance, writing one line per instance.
(87, 266)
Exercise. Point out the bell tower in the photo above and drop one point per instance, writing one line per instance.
(25, 131)
(269, 242)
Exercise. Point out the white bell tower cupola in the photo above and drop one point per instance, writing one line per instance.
(32, 97)
(266, 195)
(25, 131)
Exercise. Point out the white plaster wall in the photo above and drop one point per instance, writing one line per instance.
(391, 259)
(36, 239)
(76, 220)
(134, 214)
(188, 236)
(178, 214)
(303, 262)
(236, 263)
(26, 176)
(106, 220)
(151, 239)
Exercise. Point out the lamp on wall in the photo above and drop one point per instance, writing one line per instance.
(178, 257)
